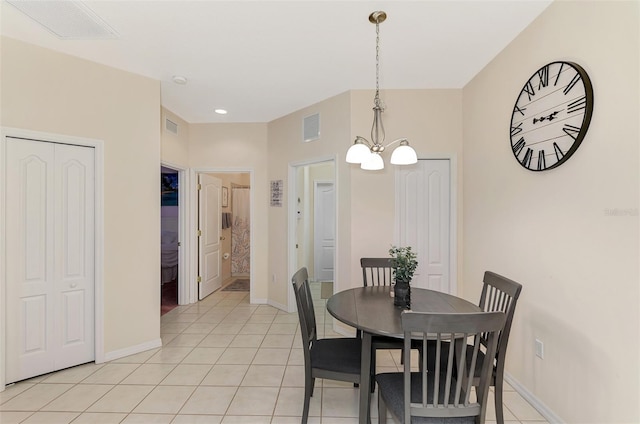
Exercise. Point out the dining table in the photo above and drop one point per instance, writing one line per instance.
(371, 309)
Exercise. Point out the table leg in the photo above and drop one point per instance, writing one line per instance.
(365, 380)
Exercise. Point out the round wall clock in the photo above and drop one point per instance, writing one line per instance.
(551, 116)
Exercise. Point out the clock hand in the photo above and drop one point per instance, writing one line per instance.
(549, 117)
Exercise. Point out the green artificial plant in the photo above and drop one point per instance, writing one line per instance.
(405, 263)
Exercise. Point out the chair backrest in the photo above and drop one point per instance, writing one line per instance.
(500, 294)
(377, 271)
(446, 390)
(306, 314)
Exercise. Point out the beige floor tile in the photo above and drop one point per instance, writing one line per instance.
(233, 419)
(260, 319)
(197, 419)
(225, 375)
(111, 374)
(217, 340)
(187, 375)
(35, 397)
(271, 356)
(291, 401)
(293, 376)
(166, 338)
(78, 398)
(247, 340)
(11, 417)
(209, 400)
(148, 419)
(73, 374)
(164, 400)
(296, 357)
(170, 355)
(174, 327)
(264, 376)
(185, 317)
(100, 418)
(341, 420)
(121, 398)
(340, 402)
(200, 328)
(211, 318)
(14, 390)
(51, 418)
(238, 356)
(278, 340)
(294, 420)
(491, 410)
(203, 355)
(252, 328)
(227, 329)
(254, 401)
(283, 329)
(149, 374)
(287, 319)
(186, 340)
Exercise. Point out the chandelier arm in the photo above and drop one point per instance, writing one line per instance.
(400, 140)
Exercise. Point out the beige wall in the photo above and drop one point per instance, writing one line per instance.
(174, 149)
(54, 93)
(241, 147)
(552, 231)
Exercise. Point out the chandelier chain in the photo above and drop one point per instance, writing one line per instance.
(377, 97)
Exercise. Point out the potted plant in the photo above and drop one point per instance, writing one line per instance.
(405, 264)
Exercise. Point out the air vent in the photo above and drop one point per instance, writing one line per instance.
(311, 128)
(67, 20)
(171, 126)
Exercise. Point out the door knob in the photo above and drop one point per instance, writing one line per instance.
(73, 285)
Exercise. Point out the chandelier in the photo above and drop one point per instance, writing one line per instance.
(368, 153)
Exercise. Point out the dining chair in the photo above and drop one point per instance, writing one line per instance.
(378, 272)
(331, 358)
(444, 394)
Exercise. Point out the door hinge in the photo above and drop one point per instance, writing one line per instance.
(199, 279)
(199, 186)
(199, 233)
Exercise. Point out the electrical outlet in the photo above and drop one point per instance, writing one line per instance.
(273, 278)
(539, 349)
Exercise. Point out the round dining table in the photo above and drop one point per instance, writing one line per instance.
(372, 310)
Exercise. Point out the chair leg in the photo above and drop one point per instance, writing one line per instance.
(497, 393)
(308, 392)
(382, 410)
(373, 369)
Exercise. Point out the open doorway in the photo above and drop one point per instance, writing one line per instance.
(314, 225)
(169, 238)
(230, 263)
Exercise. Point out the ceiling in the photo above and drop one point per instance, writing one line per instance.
(261, 60)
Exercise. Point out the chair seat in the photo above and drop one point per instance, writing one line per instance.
(386, 342)
(337, 354)
(391, 388)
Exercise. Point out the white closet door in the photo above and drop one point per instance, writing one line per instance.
(424, 220)
(324, 230)
(209, 223)
(50, 257)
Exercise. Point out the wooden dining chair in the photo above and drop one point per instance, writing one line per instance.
(443, 394)
(331, 358)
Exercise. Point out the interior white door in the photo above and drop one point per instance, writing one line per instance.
(50, 257)
(209, 224)
(424, 220)
(324, 230)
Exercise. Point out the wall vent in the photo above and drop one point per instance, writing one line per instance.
(311, 128)
(171, 126)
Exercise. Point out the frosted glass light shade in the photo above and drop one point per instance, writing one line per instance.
(358, 153)
(373, 163)
(404, 155)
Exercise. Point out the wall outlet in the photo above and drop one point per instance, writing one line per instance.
(539, 349)
(273, 278)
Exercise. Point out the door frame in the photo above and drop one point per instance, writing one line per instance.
(191, 239)
(183, 213)
(98, 145)
(292, 262)
(453, 212)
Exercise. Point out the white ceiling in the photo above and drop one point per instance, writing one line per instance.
(261, 60)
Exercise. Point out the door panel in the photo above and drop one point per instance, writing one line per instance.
(324, 222)
(50, 203)
(209, 223)
(424, 220)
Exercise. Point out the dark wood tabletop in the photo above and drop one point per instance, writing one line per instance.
(371, 308)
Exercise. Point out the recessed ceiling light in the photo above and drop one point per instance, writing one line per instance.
(178, 79)
(220, 111)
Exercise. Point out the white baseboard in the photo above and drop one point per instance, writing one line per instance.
(132, 350)
(539, 406)
(278, 305)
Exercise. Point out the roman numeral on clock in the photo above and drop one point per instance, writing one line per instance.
(559, 153)
(517, 109)
(517, 148)
(526, 161)
(577, 104)
(572, 83)
(529, 90)
(541, 161)
(571, 130)
(543, 74)
(516, 130)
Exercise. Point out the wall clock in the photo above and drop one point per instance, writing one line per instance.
(551, 116)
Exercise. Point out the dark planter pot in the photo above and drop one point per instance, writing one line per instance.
(402, 294)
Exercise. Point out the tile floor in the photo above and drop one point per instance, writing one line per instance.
(222, 361)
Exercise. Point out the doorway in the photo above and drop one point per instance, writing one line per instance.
(169, 238)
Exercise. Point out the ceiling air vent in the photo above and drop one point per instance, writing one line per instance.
(311, 128)
(171, 126)
(67, 20)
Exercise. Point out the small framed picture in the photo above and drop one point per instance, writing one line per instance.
(225, 197)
